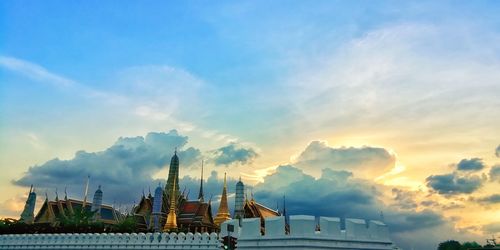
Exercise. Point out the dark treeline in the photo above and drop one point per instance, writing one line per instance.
(455, 245)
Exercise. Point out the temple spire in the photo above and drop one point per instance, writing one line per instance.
(86, 193)
(239, 200)
(27, 216)
(200, 195)
(171, 217)
(223, 212)
(173, 174)
(65, 194)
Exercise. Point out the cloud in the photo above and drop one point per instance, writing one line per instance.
(124, 169)
(497, 151)
(492, 228)
(474, 164)
(232, 154)
(452, 184)
(495, 173)
(337, 193)
(34, 71)
(405, 199)
(488, 200)
(13, 206)
(364, 161)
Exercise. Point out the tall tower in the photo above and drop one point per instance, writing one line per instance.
(173, 175)
(200, 195)
(239, 200)
(97, 203)
(27, 216)
(157, 204)
(171, 217)
(223, 212)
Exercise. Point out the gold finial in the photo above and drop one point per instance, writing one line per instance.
(223, 212)
(171, 217)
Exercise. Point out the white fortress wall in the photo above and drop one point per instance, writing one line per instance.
(303, 234)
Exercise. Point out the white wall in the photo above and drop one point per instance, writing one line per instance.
(111, 241)
(303, 235)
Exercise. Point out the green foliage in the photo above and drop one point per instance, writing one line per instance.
(80, 221)
(455, 245)
(449, 245)
(127, 225)
(470, 245)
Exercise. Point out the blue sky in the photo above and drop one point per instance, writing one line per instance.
(398, 94)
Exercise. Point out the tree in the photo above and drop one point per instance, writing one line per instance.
(126, 225)
(449, 245)
(470, 245)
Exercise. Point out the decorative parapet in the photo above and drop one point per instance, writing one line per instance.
(110, 241)
(303, 233)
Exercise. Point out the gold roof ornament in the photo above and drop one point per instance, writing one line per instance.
(171, 217)
(223, 212)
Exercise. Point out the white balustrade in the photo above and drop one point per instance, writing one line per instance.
(110, 241)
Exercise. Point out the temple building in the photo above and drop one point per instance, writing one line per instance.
(190, 215)
(168, 210)
(249, 208)
(52, 211)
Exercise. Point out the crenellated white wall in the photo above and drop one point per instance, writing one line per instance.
(303, 235)
(110, 241)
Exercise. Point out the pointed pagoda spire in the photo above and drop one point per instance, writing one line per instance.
(27, 216)
(57, 195)
(223, 212)
(284, 210)
(86, 193)
(171, 223)
(200, 195)
(239, 200)
(173, 174)
(65, 194)
(284, 206)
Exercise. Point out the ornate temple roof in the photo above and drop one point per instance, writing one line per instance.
(51, 210)
(195, 213)
(255, 210)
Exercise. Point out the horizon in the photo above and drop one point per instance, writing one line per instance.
(349, 108)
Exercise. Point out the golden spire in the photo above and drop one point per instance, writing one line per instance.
(171, 217)
(223, 212)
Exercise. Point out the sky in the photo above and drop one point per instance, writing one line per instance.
(349, 108)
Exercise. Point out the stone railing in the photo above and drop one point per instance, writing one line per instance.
(111, 241)
(303, 234)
